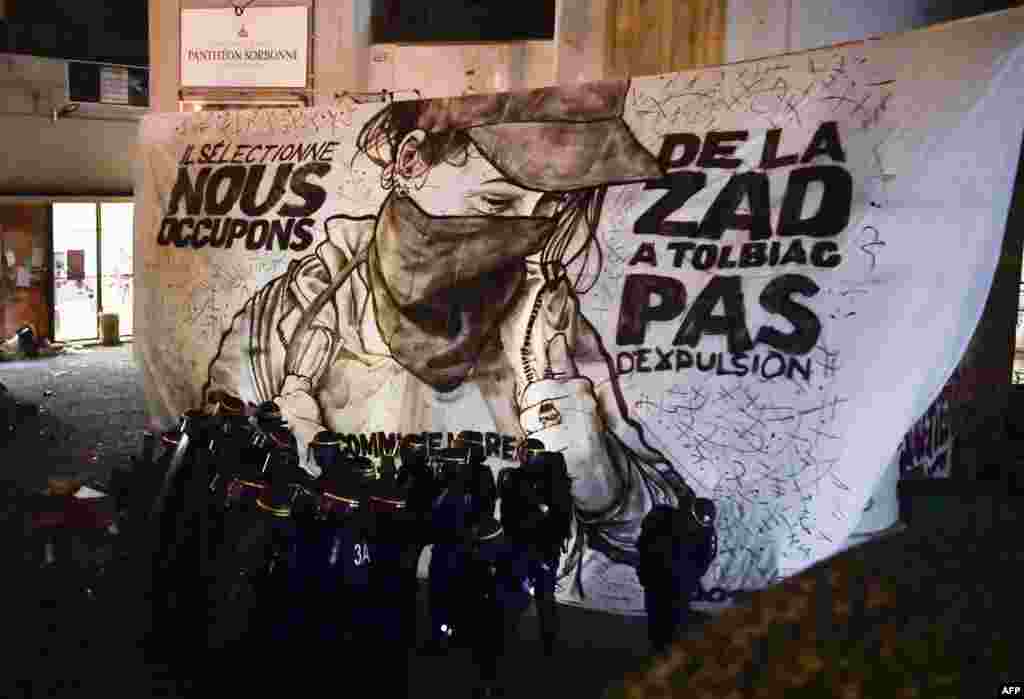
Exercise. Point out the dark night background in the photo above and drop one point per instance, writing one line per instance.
(107, 31)
(406, 21)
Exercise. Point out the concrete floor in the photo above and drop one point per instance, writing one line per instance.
(91, 417)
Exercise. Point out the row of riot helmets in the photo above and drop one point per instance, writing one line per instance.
(293, 545)
(282, 547)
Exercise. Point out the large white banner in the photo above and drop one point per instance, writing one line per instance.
(745, 282)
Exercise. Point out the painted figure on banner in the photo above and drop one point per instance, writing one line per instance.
(456, 305)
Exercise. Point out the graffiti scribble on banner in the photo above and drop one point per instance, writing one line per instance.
(774, 93)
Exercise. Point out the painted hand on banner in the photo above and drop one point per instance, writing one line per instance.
(562, 411)
(302, 412)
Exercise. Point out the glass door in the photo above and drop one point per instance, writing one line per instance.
(117, 222)
(75, 271)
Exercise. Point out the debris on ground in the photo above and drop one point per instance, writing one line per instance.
(62, 485)
(12, 412)
(8, 411)
(26, 344)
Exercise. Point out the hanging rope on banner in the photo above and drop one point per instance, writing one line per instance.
(419, 95)
(240, 9)
(362, 97)
(379, 96)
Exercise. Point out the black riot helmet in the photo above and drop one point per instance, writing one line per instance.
(529, 449)
(268, 410)
(226, 404)
(232, 417)
(191, 420)
(454, 455)
(703, 511)
(452, 461)
(413, 450)
(473, 442)
(326, 449)
(416, 480)
(360, 467)
(546, 468)
(281, 471)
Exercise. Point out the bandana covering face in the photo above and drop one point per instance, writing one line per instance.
(441, 285)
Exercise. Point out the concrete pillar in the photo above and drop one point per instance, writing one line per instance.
(652, 37)
(602, 39)
(164, 40)
(757, 28)
(341, 48)
(581, 40)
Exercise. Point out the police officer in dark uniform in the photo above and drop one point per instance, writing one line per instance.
(249, 445)
(282, 583)
(417, 488)
(676, 548)
(416, 481)
(706, 537)
(187, 517)
(536, 514)
(468, 496)
(343, 551)
(480, 614)
(484, 610)
(398, 508)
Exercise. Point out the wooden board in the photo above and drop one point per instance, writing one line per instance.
(437, 70)
(648, 37)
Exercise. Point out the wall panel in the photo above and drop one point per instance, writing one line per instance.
(458, 69)
(87, 153)
(22, 229)
(648, 37)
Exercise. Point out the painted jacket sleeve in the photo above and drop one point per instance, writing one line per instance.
(645, 477)
(239, 367)
(618, 474)
(251, 357)
(250, 361)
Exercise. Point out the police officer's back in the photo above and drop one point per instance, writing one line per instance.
(468, 491)
(676, 546)
(536, 514)
(536, 503)
(467, 500)
(402, 535)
